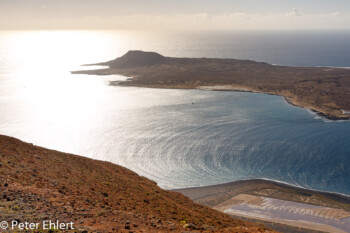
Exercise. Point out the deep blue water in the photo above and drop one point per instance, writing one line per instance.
(231, 136)
(294, 48)
(159, 133)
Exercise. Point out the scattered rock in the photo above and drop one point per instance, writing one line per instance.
(61, 191)
(190, 226)
(82, 181)
(127, 225)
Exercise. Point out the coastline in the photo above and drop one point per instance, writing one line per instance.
(276, 202)
(287, 99)
(267, 182)
(323, 90)
(34, 161)
(97, 196)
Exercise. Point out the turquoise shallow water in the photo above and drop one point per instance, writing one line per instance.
(179, 138)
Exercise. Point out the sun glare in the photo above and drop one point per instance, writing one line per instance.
(42, 61)
(47, 57)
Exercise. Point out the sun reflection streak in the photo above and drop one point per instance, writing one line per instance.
(42, 61)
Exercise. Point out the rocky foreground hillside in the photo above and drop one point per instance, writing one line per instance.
(38, 184)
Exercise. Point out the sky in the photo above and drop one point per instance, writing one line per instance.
(175, 14)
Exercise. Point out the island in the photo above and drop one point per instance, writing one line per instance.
(324, 90)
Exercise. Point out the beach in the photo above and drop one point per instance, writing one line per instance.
(322, 89)
(95, 196)
(180, 122)
(277, 202)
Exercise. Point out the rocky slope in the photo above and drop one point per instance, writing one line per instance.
(39, 184)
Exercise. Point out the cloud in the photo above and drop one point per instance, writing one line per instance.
(294, 12)
(239, 20)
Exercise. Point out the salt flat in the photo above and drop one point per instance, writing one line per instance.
(288, 212)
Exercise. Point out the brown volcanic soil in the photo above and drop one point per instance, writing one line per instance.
(38, 184)
(326, 90)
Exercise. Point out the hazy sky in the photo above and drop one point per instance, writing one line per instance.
(176, 14)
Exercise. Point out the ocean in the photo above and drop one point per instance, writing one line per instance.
(178, 138)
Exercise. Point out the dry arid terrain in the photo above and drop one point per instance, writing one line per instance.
(39, 184)
(216, 194)
(322, 89)
(277, 202)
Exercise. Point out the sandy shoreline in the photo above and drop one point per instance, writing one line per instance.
(302, 224)
(96, 196)
(288, 99)
(277, 202)
(322, 90)
(203, 191)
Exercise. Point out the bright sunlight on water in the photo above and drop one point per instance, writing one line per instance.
(159, 133)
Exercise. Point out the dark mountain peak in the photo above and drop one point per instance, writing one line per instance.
(136, 58)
